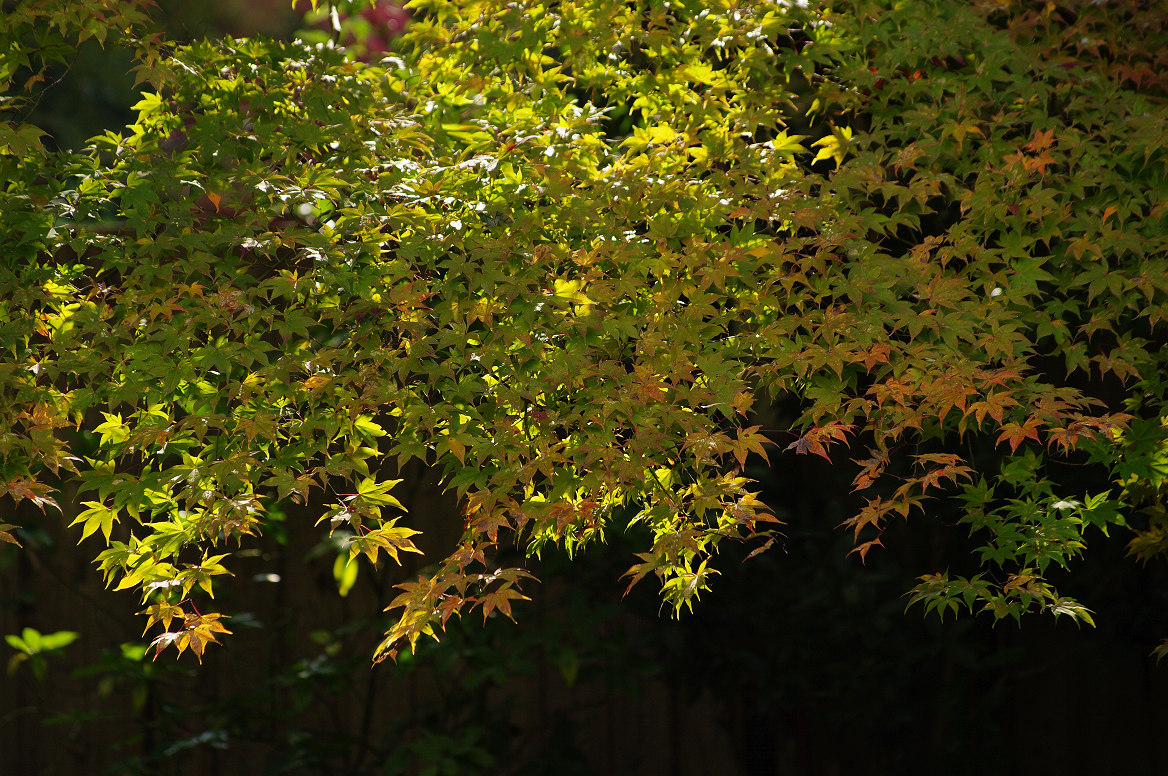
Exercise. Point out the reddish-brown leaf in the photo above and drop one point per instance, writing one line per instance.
(1017, 433)
(864, 548)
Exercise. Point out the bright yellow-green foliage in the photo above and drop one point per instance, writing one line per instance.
(561, 251)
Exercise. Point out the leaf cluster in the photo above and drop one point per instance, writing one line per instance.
(559, 252)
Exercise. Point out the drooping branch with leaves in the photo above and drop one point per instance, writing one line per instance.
(562, 252)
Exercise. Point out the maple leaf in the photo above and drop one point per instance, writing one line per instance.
(200, 574)
(1017, 433)
(742, 402)
(6, 535)
(388, 537)
(994, 405)
(870, 468)
(28, 488)
(564, 515)
(877, 354)
(1042, 140)
(1116, 365)
(489, 524)
(947, 394)
(44, 416)
(872, 514)
(807, 444)
(864, 548)
(834, 146)
(162, 613)
(896, 390)
(942, 459)
(197, 632)
(749, 441)
(456, 447)
(1038, 163)
(759, 550)
(97, 516)
(813, 440)
(501, 600)
(1065, 438)
(960, 129)
(639, 571)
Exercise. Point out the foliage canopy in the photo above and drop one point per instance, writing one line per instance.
(560, 251)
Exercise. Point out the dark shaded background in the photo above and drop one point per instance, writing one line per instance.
(799, 661)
